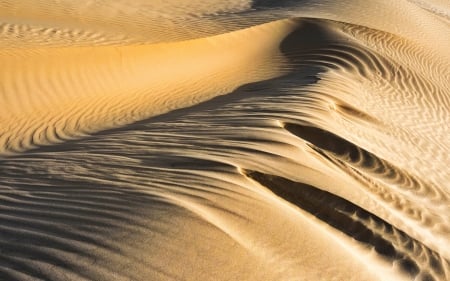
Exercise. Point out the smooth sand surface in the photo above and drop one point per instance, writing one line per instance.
(228, 140)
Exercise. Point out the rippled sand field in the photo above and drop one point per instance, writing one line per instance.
(224, 140)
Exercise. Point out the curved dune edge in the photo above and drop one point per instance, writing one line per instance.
(372, 93)
(60, 93)
(332, 164)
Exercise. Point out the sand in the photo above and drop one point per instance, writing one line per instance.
(234, 140)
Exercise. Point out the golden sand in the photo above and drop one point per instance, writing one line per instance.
(228, 140)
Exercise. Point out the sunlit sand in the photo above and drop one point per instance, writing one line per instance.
(227, 140)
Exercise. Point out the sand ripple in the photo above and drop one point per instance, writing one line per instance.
(238, 140)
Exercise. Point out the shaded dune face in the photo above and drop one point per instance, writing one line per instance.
(72, 91)
(407, 254)
(271, 140)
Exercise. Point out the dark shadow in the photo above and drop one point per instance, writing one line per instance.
(327, 141)
(358, 157)
(311, 35)
(365, 227)
(282, 4)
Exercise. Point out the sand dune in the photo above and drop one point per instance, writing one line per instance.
(234, 140)
(52, 94)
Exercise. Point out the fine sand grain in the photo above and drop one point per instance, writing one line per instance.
(228, 140)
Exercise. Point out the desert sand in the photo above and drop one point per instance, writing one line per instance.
(224, 140)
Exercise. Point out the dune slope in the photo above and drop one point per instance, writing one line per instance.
(239, 140)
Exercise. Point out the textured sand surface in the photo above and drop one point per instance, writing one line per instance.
(224, 140)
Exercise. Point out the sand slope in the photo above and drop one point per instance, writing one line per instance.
(262, 140)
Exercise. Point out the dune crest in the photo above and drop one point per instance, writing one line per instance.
(233, 140)
(52, 94)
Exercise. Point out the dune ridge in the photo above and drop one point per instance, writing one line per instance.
(71, 91)
(262, 140)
